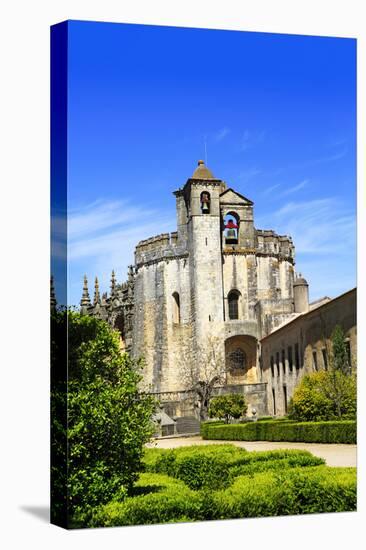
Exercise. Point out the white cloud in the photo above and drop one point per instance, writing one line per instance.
(295, 188)
(221, 134)
(103, 236)
(270, 189)
(319, 226)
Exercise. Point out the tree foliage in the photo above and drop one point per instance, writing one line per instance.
(227, 407)
(327, 395)
(108, 420)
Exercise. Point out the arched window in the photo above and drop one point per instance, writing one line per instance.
(205, 202)
(237, 360)
(233, 301)
(231, 225)
(176, 308)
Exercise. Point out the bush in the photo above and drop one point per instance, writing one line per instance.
(198, 465)
(296, 491)
(214, 466)
(326, 395)
(227, 406)
(158, 499)
(108, 421)
(310, 432)
(161, 499)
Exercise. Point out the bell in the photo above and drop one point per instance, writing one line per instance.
(205, 207)
(231, 234)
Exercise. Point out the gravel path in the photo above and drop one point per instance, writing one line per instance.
(334, 454)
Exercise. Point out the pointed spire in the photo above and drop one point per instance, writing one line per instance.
(85, 298)
(113, 283)
(53, 296)
(96, 292)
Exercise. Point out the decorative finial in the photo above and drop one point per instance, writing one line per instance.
(53, 296)
(85, 299)
(201, 162)
(113, 283)
(96, 292)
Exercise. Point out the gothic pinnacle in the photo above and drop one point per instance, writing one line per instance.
(85, 299)
(113, 283)
(96, 292)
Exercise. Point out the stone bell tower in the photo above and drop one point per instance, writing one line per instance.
(201, 194)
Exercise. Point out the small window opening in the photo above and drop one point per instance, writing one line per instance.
(289, 356)
(272, 366)
(176, 308)
(315, 360)
(278, 363)
(297, 357)
(325, 358)
(233, 300)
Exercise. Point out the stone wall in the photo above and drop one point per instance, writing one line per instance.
(307, 341)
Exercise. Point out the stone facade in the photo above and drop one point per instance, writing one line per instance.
(215, 288)
(303, 346)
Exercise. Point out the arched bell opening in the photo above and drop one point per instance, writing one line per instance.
(205, 200)
(231, 228)
(241, 360)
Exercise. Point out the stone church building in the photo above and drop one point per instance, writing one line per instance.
(201, 300)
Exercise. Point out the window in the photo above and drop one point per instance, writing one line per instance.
(325, 358)
(176, 308)
(283, 361)
(272, 366)
(297, 357)
(285, 398)
(237, 360)
(278, 363)
(347, 344)
(233, 300)
(289, 357)
(315, 360)
(274, 401)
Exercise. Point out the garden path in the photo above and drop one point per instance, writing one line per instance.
(334, 454)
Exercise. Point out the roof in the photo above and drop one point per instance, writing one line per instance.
(202, 172)
(306, 313)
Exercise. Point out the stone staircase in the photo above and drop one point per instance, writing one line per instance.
(187, 425)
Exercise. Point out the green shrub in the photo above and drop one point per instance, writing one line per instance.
(214, 466)
(205, 425)
(296, 491)
(161, 499)
(158, 499)
(310, 432)
(227, 407)
(108, 420)
(326, 395)
(198, 466)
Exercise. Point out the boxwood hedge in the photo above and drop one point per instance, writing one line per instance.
(311, 432)
(297, 491)
(214, 466)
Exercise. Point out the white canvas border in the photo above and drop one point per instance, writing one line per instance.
(25, 268)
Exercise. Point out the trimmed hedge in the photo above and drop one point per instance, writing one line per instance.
(215, 466)
(310, 432)
(297, 491)
(158, 499)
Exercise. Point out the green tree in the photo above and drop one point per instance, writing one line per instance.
(227, 407)
(108, 419)
(339, 354)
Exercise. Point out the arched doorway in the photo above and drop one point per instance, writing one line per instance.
(241, 360)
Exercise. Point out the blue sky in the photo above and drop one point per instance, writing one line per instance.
(278, 113)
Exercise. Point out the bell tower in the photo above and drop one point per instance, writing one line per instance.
(201, 195)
